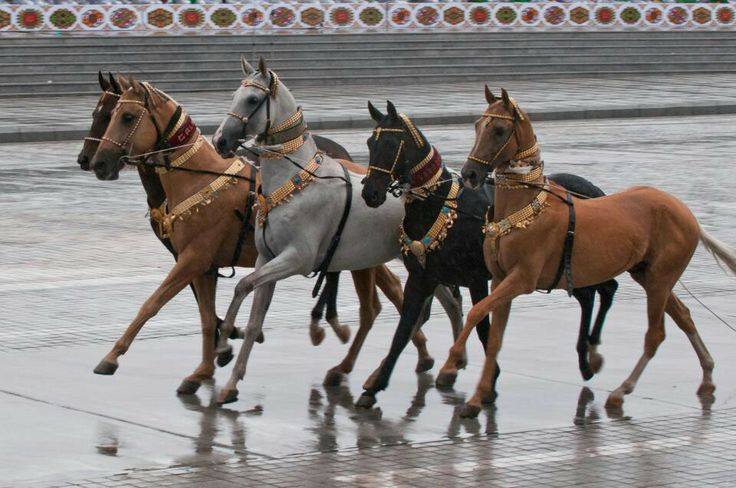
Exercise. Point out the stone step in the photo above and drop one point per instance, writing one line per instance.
(384, 77)
(9, 59)
(171, 69)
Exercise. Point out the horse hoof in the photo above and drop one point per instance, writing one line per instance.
(706, 389)
(489, 399)
(424, 364)
(343, 333)
(333, 377)
(260, 338)
(596, 362)
(366, 400)
(227, 396)
(225, 357)
(317, 334)
(106, 368)
(614, 402)
(468, 411)
(446, 379)
(188, 387)
(587, 373)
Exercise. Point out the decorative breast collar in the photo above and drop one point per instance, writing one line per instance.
(517, 220)
(203, 197)
(266, 203)
(437, 233)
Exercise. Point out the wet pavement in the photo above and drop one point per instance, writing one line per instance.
(78, 258)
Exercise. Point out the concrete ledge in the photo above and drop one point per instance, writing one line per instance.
(352, 122)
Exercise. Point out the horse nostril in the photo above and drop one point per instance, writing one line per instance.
(83, 161)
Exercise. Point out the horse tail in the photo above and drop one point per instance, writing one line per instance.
(723, 254)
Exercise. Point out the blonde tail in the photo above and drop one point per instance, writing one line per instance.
(723, 254)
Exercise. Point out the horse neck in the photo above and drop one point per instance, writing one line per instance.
(508, 200)
(276, 172)
(422, 212)
(151, 182)
(179, 185)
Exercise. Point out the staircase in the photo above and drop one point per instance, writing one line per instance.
(68, 65)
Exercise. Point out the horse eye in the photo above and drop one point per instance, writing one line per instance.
(128, 118)
(252, 100)
(498, 131)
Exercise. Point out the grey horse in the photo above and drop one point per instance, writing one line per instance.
(296, 232)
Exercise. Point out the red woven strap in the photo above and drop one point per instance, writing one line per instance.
(428, 171)
(183, 134)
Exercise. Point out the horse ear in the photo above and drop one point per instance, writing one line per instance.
(506, 98)
(246, 67)
(114, 85)
(490, 97)
(262, 66)
(375, 113)
(122, 83)
(103, 82)
(391, 110)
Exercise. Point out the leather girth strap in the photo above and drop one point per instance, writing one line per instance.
(244, 217)
(566, 259)
(325, 265)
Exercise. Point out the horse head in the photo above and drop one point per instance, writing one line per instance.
(260, 100)
(394, 147)
(134, 128)
(502, 134)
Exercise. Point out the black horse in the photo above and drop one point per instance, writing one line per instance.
(401, 157)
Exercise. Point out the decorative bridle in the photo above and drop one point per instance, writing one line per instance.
(515, 119)
(408, 129)
(270, 91)
(102, 101)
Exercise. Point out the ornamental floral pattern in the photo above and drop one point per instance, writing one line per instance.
(261, 17)
(92, 18)
(5, 19)
(191, 18)
(371, 15)
(29, 18)
(427, 16)
(123, 18)
(62, 18)
(223, 17)
(160, 17)
(253, 17)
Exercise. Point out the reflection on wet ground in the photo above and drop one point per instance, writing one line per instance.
(78, 260)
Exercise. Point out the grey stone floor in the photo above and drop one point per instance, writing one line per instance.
(437, 103)
(78, 258)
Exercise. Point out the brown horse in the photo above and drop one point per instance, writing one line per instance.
(644, 231)
(199, 220)
(112, 88)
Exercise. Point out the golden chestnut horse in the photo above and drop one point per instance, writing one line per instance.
(643, 231)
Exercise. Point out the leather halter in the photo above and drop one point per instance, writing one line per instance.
(409, 129)
(271, 91)
(102, 99)
(515, 119)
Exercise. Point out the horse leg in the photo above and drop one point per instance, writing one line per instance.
(485, 391)
(205, 287)
(452, 303)
(504, 290)
(417, 292)
(657, 297)
(369, 308)
(183, 272)
(341, 331)
(586, 299)
(316, 331)
(606, 291)
(263, 280)
(478, 291)
(681, 315)
(391, 287)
